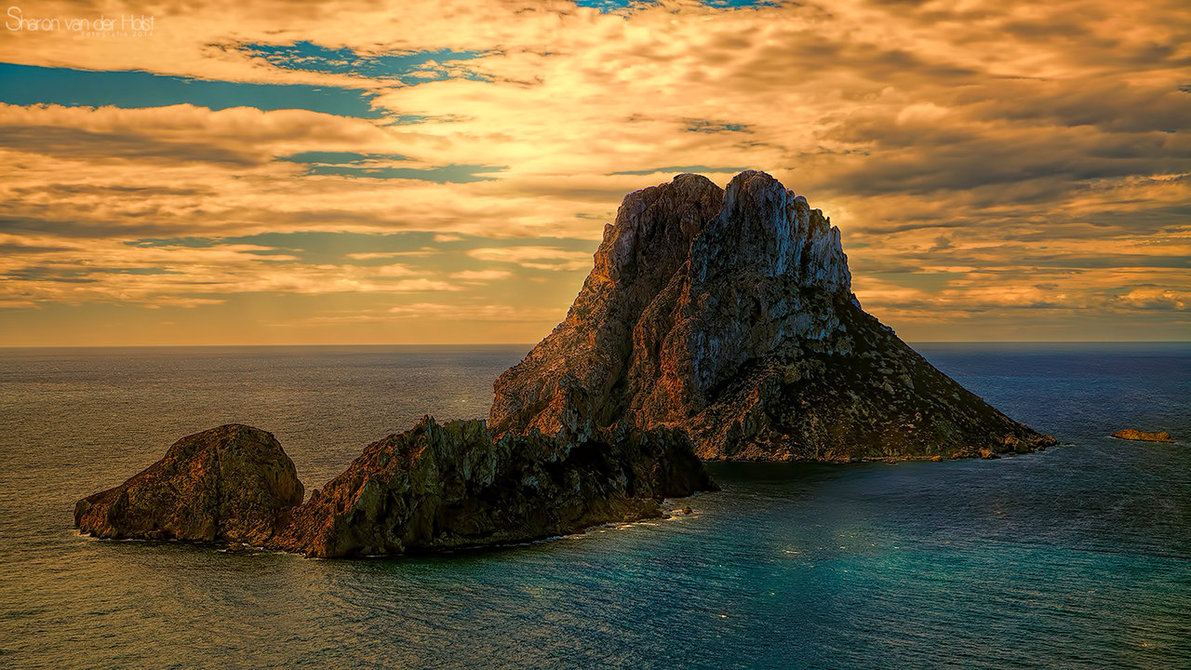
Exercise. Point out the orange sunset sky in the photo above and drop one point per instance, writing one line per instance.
(440, 172)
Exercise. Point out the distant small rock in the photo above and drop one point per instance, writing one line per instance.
(1142, 436)
(231, 484)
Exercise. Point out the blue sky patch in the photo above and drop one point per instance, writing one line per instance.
(30, 85)
(340, 157)
(607, 6)
(345, 247)
(442, 174)
(734, 4)
(408, 119)
(387, 166)
(410, 68)
(717, 127)
(74, 274)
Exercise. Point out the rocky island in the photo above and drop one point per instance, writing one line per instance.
(430, 489)
(716, 324)
(729, 313)
(231, 484)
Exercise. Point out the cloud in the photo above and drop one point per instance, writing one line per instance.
(378, 255)
(195, 275)
(1155, 297)
(490, 312)
(98, 147)
(988, 162)
(537, 258)
(442, 174)
(29, 85)
(410, 68)
(678, 169)
(482, 275)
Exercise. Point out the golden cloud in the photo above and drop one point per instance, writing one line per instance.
(985, 161)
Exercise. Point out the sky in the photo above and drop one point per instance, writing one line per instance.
(289, 172)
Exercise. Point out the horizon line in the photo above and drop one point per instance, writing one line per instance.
(510, 344)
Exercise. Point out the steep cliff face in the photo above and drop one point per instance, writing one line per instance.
(442, 487)
(228, 484)
(729, 313)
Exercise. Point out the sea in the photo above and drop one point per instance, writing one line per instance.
(1075, 557)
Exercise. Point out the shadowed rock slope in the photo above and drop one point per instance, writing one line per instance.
(729, 313)
(228, 484)
(443, 487)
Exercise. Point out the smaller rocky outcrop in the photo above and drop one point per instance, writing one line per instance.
(233, 483)
(442, 487)
(1142, 436)
(430, 489)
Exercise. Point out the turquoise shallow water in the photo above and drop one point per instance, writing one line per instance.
(1079, 556)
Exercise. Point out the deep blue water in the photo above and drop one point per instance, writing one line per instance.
(1079, 556)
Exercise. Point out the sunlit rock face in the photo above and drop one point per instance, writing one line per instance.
(233, 483)
(729, 313)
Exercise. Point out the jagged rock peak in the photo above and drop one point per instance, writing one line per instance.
(730, 314)
(756, 225)
(689, 283)
(765, 230)
(654, 228)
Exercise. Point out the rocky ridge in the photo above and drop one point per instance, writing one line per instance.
(729, 314)
(430, 489)
(452, 486)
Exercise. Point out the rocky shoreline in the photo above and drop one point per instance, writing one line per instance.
(431, 489)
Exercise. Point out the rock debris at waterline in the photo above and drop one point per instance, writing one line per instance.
(1142, 436)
